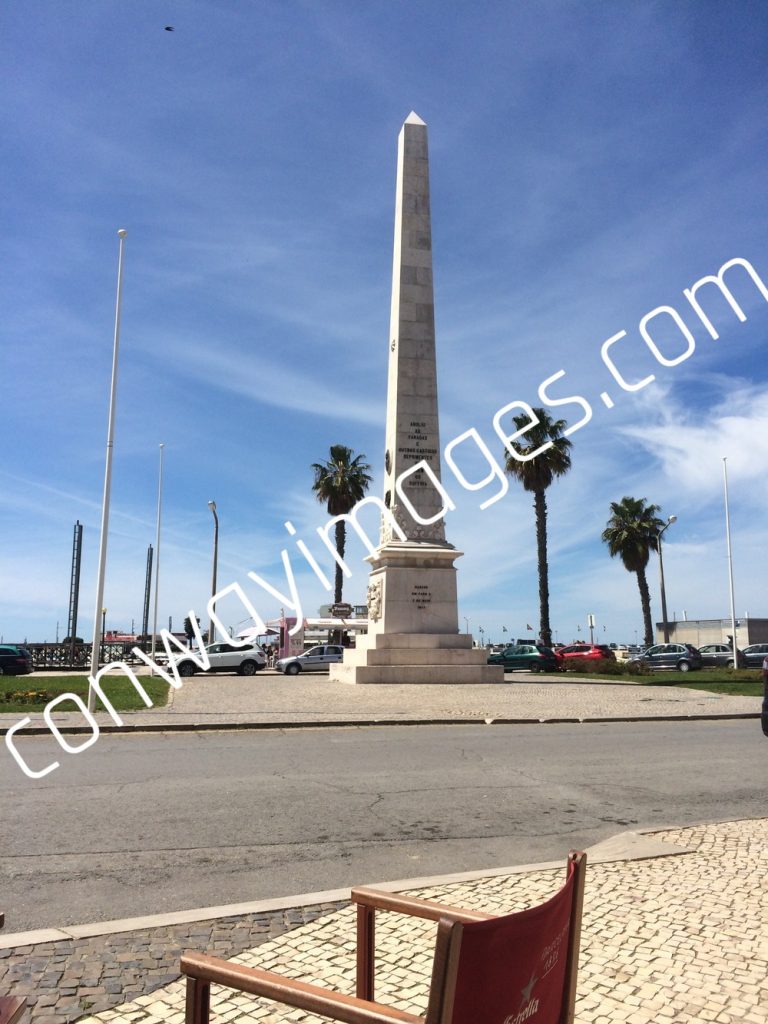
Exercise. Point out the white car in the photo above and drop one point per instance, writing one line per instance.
(224, 657)
(316, 659)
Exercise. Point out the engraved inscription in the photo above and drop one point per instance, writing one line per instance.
(421, 595)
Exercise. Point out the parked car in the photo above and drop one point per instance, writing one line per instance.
(316, 659)
(225, 657)
(721, 656)
(754, 654)
(579, 654)
(14, 661)
(682, 657)
(530, 657)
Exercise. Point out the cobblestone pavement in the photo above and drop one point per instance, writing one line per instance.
(271, 699)
(66, 979)
(679, 938)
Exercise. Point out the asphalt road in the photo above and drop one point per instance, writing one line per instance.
(142, 824)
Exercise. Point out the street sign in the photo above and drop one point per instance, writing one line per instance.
(341, 611)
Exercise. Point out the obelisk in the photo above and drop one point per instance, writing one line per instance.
(413, 625)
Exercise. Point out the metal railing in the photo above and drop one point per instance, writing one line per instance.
(63, 656)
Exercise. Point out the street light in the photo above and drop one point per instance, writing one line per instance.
(664, 623)
(103, 622)
(212, 507)
(730, 563)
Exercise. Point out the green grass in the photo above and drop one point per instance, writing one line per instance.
(34, 692)
(697, 681)
(743, 682)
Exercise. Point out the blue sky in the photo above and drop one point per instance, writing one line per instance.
(589, 162)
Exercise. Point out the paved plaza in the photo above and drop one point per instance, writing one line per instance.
(676, 937)
(271, 700)
(675, 929)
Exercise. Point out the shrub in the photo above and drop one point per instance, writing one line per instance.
(26, 696)
(607, 667)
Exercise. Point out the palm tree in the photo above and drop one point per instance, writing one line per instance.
(632, 533)
(536, 476)
(340, 483)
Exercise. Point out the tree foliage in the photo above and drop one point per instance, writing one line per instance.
(340, 482)
(536, 475)
(632, 533)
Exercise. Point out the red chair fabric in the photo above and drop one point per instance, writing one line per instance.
(512, 969)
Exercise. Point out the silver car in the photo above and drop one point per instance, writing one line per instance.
(682, 657)
(316, 659)
(754, 655)
(721, 655)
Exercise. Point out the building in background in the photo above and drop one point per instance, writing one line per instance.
(714, 631)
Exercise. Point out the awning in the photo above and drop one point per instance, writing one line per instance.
(253, 633)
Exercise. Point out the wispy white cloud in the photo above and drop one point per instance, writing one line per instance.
(690, 444)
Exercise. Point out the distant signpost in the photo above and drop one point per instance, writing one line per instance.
(341, 611)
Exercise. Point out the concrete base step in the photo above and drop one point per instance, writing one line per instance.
(418, 675)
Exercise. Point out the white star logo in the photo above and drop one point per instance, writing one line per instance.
(526, 992)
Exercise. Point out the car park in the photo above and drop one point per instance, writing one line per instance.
(529, 657)
(583, 654)
(721, 656)
(316, 659)
(682, 657)
(226, 657)
(14, 661)
(754, 655)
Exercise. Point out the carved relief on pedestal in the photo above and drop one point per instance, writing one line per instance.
(434, 532)
(374, 601)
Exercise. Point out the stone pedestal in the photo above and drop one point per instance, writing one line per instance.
(413, 632)
(416, 658)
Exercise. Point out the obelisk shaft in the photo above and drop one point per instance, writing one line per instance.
(413, 624)
(412, 434)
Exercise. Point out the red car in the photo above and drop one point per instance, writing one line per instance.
(578, 654)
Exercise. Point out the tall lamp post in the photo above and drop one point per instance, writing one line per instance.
(97, 634)
(730, 564)
(664, 623)
(212, 507)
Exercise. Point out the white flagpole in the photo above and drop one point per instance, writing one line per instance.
(107, 478)
(730, 563)
(157, 551)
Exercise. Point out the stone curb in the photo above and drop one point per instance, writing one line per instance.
(189, 726)
(624, 846)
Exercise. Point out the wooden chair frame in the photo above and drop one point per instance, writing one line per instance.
(202, 970)
(11, 1007)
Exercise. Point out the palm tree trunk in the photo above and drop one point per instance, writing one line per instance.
(341, 538)
(540, 505)
(645, 600)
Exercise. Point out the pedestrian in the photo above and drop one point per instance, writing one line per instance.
(764, 716)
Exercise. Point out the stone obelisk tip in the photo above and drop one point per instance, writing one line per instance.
(413, 118)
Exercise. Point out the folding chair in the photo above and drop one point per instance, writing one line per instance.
(486, 970)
